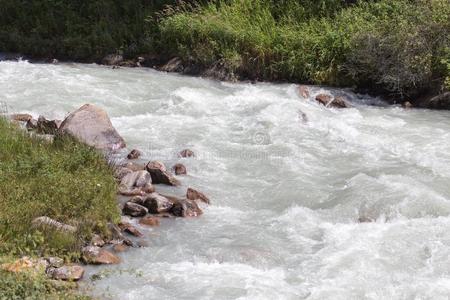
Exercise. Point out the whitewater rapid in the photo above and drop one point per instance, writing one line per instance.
(286, 192)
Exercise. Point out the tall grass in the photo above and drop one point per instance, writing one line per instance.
(393, 46)
(64, 180)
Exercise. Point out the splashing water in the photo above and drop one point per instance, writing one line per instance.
(288, 178)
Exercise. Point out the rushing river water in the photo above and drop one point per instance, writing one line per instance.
(286, 192)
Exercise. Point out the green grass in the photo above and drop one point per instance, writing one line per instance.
(23, 285)
(64, 180)
(397, 47)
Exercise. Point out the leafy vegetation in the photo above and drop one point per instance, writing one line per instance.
(64, 180)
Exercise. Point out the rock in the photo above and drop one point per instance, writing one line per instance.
(42, 222)
(136, 179)
(329, 101)
(21, 117)
(138, 200)
(134, 154)
(192, 194)
(160, 175)
(364, 219)
(120, 248)
(134, 210)
(179, 169)
(130, 229)
(157, 204)
(55, 262)
(45, 126)
(31, 124)
(67, 273)
(149, 221)
(25, 264)
(187, 153)
(173, 65)
(186, 208)
(97, 241)
(112, 59)
(131, 192)
(441, 101)
(91, 125)
(304, 91)
(96, 256)
(134, 166)
(128, 64)
(407, 105)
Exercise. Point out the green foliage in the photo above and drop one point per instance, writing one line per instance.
(396, 46)
(77, 30)
(32, 286)
(64, 180)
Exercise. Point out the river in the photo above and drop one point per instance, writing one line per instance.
(287, 190)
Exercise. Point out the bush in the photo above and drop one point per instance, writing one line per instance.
(64, 180)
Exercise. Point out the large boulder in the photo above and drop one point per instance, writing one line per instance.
(156, 204)
(136, 183)
(441, 101)
(91, 125)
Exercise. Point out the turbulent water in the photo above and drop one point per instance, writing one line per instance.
(288, 179)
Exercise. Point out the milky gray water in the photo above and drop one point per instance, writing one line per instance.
(286, 193)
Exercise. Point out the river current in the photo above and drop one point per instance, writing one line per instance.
(289, 180)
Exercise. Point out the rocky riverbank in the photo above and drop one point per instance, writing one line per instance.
(433, 99)
(137, 190)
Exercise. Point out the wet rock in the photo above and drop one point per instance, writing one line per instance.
(91, 125)
(130, 229)
(187, 153)
(97, 241)
(157, 204)
(134, 154)
(160, 175)
(45, 126)
(136, 179)
(179, 169)
(119, 248)
(149, 221)
(67, 273)
(112, 59)
(128, 64)
(96, 256)
(192, 194)
(304, 91)
(186, 208)
(329, 101)
(138, 200)
(173, 65)
(407, 105)
(21, 117)
(134, 210)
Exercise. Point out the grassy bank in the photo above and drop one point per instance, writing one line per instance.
(64, 180)
(398, 47)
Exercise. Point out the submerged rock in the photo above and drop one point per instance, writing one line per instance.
(130, 229)
(179, 169)
(149, 221)
(192, 194)
(304, 91)
(91, 125)
(330, 101)
(134, 154)
(67, 273)
(187, 153)
(96, 256)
